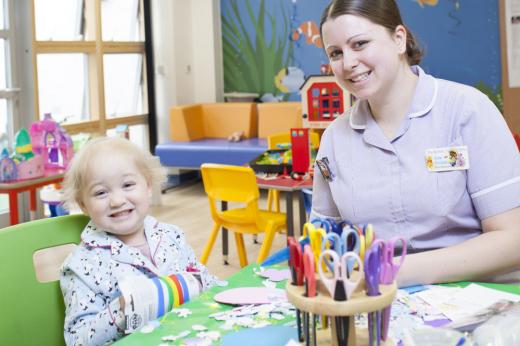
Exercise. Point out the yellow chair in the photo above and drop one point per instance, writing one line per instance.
(273, 196)
(238, 184)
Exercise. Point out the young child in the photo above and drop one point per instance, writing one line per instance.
(111, 180)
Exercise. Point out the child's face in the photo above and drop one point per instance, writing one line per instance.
(116, 196)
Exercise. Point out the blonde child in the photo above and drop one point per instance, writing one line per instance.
(111, 180)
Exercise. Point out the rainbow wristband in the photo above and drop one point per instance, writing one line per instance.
(160, 309)
(180, 299)
(185, 289)
(170, 291)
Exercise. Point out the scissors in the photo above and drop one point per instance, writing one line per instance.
(372, 278)
(310, 291)
(315, 238)
(323, 223)
(389, 270)
(340, 286)
(297, 274)
(366, 235)
(348, 241)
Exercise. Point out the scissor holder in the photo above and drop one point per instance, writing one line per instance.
(324, 305)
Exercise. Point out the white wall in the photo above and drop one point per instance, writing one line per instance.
(188, 55)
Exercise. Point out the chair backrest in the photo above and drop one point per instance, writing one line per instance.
(232, 184)
(285, 137)
(33, 312)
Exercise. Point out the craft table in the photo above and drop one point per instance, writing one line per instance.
(15, 187)
(204, 305)
(290, 187)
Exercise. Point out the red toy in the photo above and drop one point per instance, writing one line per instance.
(301, 150)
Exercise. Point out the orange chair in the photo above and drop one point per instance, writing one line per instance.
(273, 196)
(238, 184)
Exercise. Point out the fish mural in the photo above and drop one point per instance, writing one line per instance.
(427, 2)
(289, 79)
(310, 31)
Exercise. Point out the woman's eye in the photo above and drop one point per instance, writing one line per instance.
(335, 54)
(360, 44)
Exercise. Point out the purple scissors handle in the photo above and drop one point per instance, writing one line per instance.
(389, 270)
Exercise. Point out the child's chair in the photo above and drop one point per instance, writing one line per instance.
(33, 312)
(273, 196)
(238, 184)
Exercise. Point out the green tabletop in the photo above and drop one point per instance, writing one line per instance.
(204, 305)
(201, 307)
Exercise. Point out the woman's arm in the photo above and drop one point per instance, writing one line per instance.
(494, 252)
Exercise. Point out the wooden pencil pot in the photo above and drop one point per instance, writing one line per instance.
(324, 305)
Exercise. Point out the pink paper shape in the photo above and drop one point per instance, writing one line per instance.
(276, 274)
(250, 295)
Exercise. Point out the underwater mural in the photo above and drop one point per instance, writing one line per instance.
(272, 46)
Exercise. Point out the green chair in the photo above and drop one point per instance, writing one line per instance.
(32, 313)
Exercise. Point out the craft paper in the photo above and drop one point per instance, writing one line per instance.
(272, 335)
(251, 295)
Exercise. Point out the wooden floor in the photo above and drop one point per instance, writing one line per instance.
(187, 207)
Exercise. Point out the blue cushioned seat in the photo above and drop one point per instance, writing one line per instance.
(192, 154)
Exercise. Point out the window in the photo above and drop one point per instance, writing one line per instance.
(90, 61)
(8, 91)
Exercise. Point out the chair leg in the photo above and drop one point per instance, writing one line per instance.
(266, 244)
(270, 193)
(239, 239)
(276, 198)
(209, 243)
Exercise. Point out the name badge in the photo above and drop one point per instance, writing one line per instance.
(447, 159)
(323, 166)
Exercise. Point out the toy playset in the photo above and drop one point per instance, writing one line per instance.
(322, 101)
(51, 141)
(45, 146)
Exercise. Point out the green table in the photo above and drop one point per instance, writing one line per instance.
(204, 305)
(201, 307)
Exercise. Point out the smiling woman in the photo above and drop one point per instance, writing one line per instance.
(393, 168)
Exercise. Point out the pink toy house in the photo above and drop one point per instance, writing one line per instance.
(52, 142)
(322, 101)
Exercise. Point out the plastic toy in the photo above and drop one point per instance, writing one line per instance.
(23, 163)
(322, 101)
(51, 141)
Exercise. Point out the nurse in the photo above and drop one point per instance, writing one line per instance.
(387, 161)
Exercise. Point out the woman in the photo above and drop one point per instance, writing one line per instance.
(389, 155)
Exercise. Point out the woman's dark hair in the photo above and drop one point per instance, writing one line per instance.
(381, 12)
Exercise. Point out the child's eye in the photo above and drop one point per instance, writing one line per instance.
(335, 54)
(128, 184)
(100, 193)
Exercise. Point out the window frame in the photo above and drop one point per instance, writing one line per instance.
(95, 48)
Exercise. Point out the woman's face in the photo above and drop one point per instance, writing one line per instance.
(364, 56)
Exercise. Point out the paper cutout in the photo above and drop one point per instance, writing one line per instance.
(272, 335)
(251, 295)
(275, 274)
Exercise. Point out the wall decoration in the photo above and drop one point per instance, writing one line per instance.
(461, 42)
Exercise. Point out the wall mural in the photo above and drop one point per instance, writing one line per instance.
(271, 46)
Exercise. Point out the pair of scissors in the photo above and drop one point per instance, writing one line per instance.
(315, 238)
(327, 224)
(366, 236)
(389, 269)
(309, 320)
(372, 279)
(348, 241)
(340, 286)
(297, 275)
